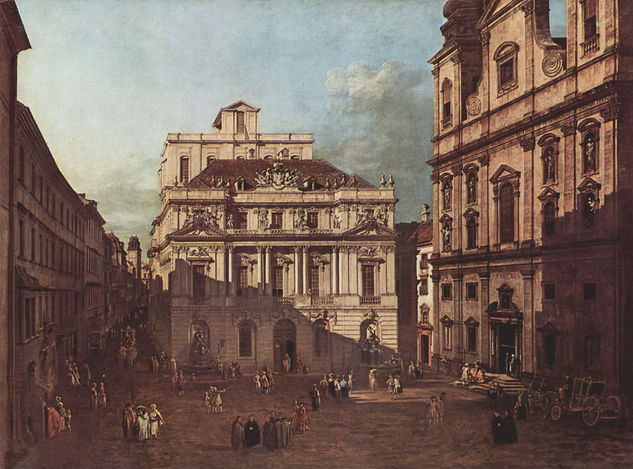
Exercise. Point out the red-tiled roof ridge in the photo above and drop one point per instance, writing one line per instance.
(423, 233)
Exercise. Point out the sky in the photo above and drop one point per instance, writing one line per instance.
(107, 80)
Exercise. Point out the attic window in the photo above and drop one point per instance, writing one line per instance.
(240, 184)
(210, 159)
(506, 58)
(184, 170)
(590, 18)
(447, 91)
(240, 122)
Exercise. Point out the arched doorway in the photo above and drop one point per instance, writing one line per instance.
(284, 342)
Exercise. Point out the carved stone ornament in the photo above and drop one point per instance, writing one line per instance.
(473, 105)
(371, 315)
(610, 111)
(324, 315)
(485, 38)
(236, 318)
(568, 129)
(435, 178)
(552, 64)
(484, 159)
(202, 219)
(199, 252)
(527, 143)
(278, 177)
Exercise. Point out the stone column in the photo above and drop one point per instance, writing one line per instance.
(304, 269)
(353, 271)
(334, 269)
(436, 342)
(435, 180)
(221, 271)
(231, 283)
(260, 271)
(344, 270)
(458, 346)
(526, 348)
(484, 194)
(296, 271)
(391, 269)
(484, 326)
(528, 146)
(268, 286)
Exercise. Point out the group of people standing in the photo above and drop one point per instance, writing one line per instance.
(75, 378)
(140, 425)
(58, 417)
(504, 430)
(264, 382)
(275, 433)
(213, 399)
(335, 387)
(98, 398)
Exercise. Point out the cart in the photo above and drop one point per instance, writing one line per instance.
(587, 398)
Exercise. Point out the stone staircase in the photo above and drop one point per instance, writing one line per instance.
(510, 386)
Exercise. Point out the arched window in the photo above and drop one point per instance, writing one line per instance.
(471, 188)
(447, 113)
(246, 332)
(471, 231)
(447, 189)
(549, 218)
(506, 58)
(506, 213)
(240, 122)
(589, 153)
(184, 169)
(320, 338)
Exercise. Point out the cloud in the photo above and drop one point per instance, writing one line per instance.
(126, 193)
(384, 121)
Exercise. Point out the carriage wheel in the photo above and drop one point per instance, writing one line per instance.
(591, 411)
(556, 412)
(613, 406)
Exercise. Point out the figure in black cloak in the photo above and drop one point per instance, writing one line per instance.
(521, 406)
(331, 386)
(497, 435)
(315, 397)
(269, 433)
(237, 434)
(282, 431)
(251, 432)
(509, 428)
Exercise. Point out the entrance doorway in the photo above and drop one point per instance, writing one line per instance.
(506, 337)
(284, 342)
(425, 351)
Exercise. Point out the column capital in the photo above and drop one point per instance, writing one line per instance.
(527, 274)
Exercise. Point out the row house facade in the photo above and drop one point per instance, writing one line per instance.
(261, 251)
(13, 40)
(532, 188)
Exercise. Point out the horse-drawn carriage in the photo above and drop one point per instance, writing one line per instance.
(586, 396)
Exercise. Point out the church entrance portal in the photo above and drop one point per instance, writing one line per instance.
(284, 340)
(506, 338)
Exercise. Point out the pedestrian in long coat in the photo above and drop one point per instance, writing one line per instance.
(93, 396)
(128, 421)
(315, 397)
(497, 431)
(268, 434)
(237, 434)
(509, 428)
(251, 432)
(142, 424)
(101, 397)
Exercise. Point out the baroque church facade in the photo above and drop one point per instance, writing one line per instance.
(532, 188)
(261, 251)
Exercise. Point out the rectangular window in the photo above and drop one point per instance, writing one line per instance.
(21, 168)
(471, 339)
(549, 291)
(21, 246)
(278, 281)
(591, 18)
(245, 339)
(198, 281)
(589, 291)
(314, 280)
(424, 287)
(184, 170)
(550, 349)
(243, 290)
(276, 220)
(424, 262)
(242, 221)
(240, 122)
(506, 72)
(447, 336)
(447, 291)
(471, 291)
(33, 244)
(313, 220)
(368, 280)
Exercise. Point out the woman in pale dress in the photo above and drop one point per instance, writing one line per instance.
(142, 423)
(155, 420)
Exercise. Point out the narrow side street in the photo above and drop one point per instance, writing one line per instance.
(367, 430)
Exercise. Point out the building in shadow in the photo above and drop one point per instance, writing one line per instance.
(532, 189)
(261, 252)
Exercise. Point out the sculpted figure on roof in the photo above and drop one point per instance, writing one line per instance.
(277, 177)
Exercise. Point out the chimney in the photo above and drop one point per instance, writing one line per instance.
(425, 212)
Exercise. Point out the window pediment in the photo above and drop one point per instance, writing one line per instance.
(471, 322)
(589, 184)
(547, 139)
(471, 213)
(446, 218)
(446, 321)
(548, 194)
(549, 329)
(504, 173)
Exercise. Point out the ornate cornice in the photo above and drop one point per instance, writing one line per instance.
(527, 143)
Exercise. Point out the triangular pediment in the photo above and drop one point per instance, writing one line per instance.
(241, 106)
(446, 321)
(588, 184)
(470, 213)
(370, 227)
(493, 9)
(200, 223)
(548, 328)
(548, 193)
(504, 172)
(446, 218)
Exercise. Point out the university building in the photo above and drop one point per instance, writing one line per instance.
(262, 251)
(532, 188)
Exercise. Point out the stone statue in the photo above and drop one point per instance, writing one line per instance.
(199, 349)
(590, 153)
(230, 221)
(263, 220)
(446, 237)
